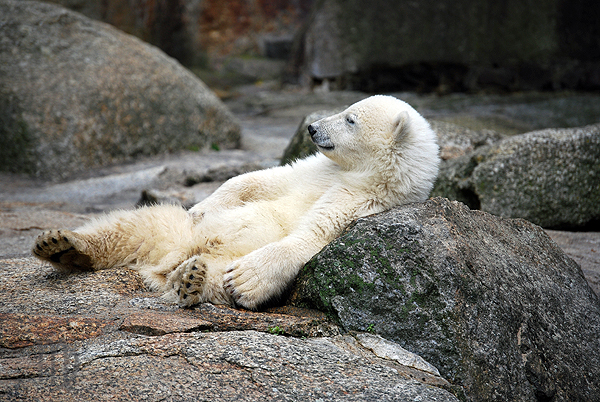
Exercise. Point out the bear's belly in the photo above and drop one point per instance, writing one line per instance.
(239, 231)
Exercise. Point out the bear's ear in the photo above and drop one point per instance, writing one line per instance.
(401, 126)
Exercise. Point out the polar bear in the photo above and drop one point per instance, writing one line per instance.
(245, 244)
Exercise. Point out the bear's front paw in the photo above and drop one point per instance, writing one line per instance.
(62, 248)
(188, 281)
(255, 279)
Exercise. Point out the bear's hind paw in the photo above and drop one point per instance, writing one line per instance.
(59, 247)
(188, 281)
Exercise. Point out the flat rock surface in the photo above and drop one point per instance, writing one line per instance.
(103, 336)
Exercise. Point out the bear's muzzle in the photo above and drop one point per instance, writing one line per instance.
(319, 138)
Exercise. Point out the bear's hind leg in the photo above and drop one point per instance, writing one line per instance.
(158, 237)
(64, 249)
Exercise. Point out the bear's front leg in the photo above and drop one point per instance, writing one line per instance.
(267, 272)
(263, 274)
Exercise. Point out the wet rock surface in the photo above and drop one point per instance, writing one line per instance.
(493, 303)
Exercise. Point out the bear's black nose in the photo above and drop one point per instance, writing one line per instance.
(311, 130)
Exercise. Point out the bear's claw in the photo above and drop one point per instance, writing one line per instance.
(247, 285)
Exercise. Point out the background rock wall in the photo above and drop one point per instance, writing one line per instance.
(439, 46)
(190, 29)
(452, 45)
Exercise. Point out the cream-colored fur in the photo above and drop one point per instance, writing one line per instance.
(245, 243)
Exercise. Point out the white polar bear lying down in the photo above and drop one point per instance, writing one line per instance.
(246, 242)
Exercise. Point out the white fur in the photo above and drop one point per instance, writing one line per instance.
(257, 230)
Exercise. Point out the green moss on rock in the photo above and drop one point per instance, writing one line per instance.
(467, 291)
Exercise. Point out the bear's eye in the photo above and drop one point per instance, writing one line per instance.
(350, 120)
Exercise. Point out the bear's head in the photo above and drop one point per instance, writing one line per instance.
(377, 130)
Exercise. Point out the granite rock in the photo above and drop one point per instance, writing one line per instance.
(493, 303)
(102, 336)
(77, 94)
(549, 177)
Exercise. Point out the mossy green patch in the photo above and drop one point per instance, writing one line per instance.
(276, 330)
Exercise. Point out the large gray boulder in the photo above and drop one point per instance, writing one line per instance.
(75, 94)
(493, 303)
(549, 177)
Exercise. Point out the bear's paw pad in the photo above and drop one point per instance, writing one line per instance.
(60, 248)
(189, 280)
